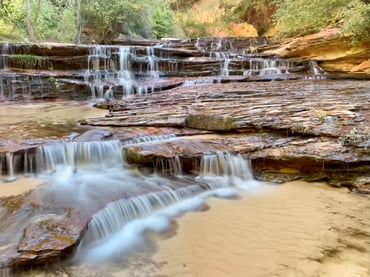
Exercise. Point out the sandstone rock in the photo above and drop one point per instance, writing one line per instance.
(330, 47)
(210, 122)
(244, 30)
(363, 67)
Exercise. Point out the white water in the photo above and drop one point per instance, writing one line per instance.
(96, 154)
(261, 66)
(150, 138)
(132, 235)
(122, 226)
(109, 68)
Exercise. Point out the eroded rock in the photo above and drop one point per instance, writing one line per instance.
(331, 48)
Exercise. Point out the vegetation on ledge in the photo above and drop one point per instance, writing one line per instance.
(97, 22)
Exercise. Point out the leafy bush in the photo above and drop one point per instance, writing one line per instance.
(301, 17)
(357, 21)
(130, 17)
(162, 22)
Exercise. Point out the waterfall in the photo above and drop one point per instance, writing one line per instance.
(316, 71)
(225, 164)
(125, 74)
(23, 86)
(172, 166)
(262, 66)
(100, 154)
(152, 63)
(226, 169)
(7, 164)
(150, 138)
(225, 67)
(121, 226)
(116, 214)
(5, 52)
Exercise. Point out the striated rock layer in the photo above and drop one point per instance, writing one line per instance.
(312, 129)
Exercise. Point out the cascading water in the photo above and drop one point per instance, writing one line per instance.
(116, 214)
(5, 52)
(225, 168)
(59, 156)
(262, 66)
(150, 138)
(121, 226)
(100, 154)
(110, 70)
(172, 166)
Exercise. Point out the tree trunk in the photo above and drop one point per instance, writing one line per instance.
(31, 32)
(78, 22)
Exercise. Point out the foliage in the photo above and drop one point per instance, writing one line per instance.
(195, 29)
(28, 61)
(59, 20)
(130, 17)
(300, 17)
(357, 21)
(63, 20)
(162, 22)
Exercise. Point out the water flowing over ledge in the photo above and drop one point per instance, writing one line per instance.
(181, 124)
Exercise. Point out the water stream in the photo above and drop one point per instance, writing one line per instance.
(134, 212)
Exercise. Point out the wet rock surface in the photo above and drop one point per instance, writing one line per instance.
(305, 128)
(290, 122)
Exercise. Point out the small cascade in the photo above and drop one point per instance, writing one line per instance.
(225, 67)
(201, 81)
(152, 63)
(316, 71)
(125, 74)
(150, 138)
(23, 86)
(7, 166)
(57, 157)
(262, 66)
(113, 69)
(13, 164)
(5, 52)
(111, 219)
(100, 154)
(122, 226)
(172, 166)
(221, 165)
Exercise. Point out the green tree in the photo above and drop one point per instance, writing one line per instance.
(162, 22)
(130, 17)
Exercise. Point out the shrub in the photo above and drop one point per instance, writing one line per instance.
(301, 17)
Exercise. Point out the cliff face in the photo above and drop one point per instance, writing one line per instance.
(331, 49)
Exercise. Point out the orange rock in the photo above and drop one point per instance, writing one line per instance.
(244, 30)
(330, 47)
(363, 67)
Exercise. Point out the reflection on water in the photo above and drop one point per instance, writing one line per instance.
(43, 120)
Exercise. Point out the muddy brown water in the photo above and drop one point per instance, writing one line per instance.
(40, 120)
(293, 229)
